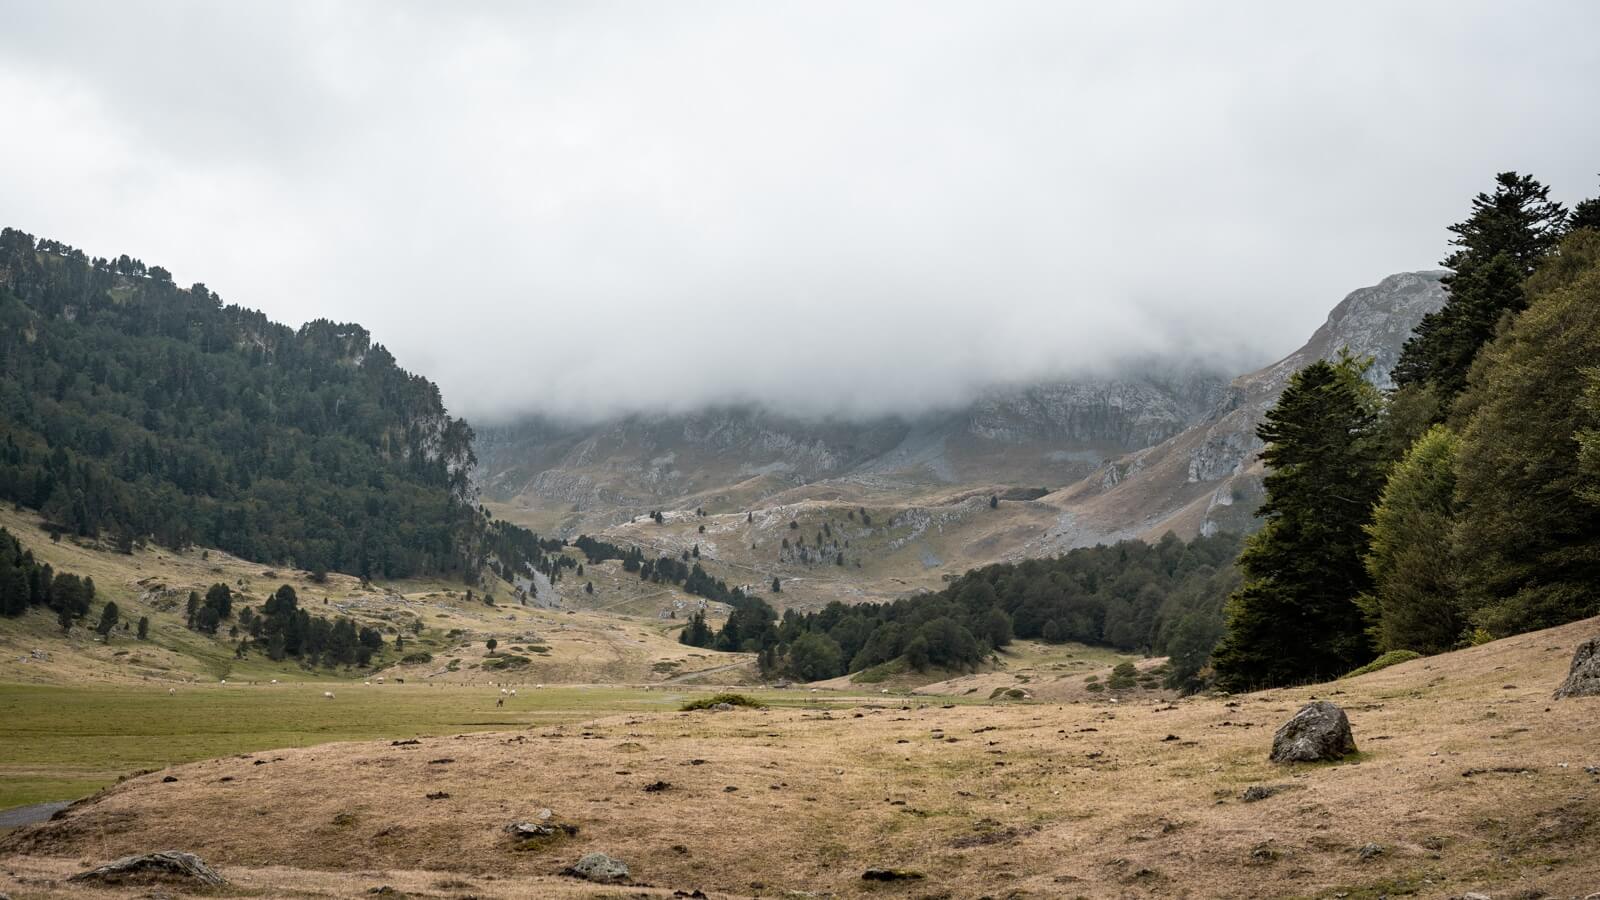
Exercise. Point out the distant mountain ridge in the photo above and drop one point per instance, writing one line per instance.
(1115, 457)
(1040, 434)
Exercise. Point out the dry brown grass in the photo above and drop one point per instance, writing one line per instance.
(1032, 800)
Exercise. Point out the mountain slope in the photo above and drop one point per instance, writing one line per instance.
(731, 458)
(1129, 458)
(1208, 478)
(135, 410)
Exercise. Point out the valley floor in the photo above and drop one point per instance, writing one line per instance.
(1470, 779)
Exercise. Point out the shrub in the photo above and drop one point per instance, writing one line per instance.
(507, 661)
(1392, 658)
(730, 699)
(1123, 677)
(417, 658)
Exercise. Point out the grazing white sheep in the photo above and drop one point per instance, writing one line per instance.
(537, 686)
(367, 683)
(513, 692)
(328, 694)
(172, 690)
(274, 681)
(224, 681)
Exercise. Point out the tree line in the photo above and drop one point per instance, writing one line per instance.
(1165, 597)
(1462, 505)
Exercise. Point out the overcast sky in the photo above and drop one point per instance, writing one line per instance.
(828, 207)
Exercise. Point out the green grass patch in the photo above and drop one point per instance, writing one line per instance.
(881, 672)
(63, 742)
(1392, 658)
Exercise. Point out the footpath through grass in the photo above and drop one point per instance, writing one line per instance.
(63, 742)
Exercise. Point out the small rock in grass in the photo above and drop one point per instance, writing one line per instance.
(599, 867)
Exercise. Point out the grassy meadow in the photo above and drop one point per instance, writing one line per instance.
(60, 742)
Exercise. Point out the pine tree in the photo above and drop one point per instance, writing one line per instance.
(109, 616)
(1498, 246)
(1295, 618)
(1527, 541)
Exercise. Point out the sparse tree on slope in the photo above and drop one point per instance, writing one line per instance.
(109, 616)
(1296, 619)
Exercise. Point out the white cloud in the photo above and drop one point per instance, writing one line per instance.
(828, 207)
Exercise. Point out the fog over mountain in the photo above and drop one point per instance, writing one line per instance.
(825, 208)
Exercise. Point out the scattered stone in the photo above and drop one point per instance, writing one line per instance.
(526, 830)
(163, 865)
(1474, 895)
(442, 761)
(1320, 731)
(1369, 851)
(169, 779)
(384, 891)
(439, 795)
(405, 743)
(722, 707)
(598, 867)
(1583, 679)
(885, 874)
(1257, 792)
(1170, 737)
(656, 787)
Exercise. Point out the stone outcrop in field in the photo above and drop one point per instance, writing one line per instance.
(1583, 680)
(1319, 732)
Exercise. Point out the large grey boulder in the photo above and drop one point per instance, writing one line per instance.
(1320, 731)
(165, 865)
(599, 867)
(1583, 679)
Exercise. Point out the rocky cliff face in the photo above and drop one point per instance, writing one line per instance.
(1208, 477)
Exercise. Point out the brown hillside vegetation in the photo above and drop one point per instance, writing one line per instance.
(1470, 778)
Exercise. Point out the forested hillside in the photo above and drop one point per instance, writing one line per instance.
(1464, 504)
(135, 411)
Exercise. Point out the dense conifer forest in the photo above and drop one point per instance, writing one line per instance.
(133, 410)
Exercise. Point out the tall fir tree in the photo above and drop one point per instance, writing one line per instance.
(1497, 247)
(1295, 619)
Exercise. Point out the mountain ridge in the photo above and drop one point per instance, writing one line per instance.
(1114, 457)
